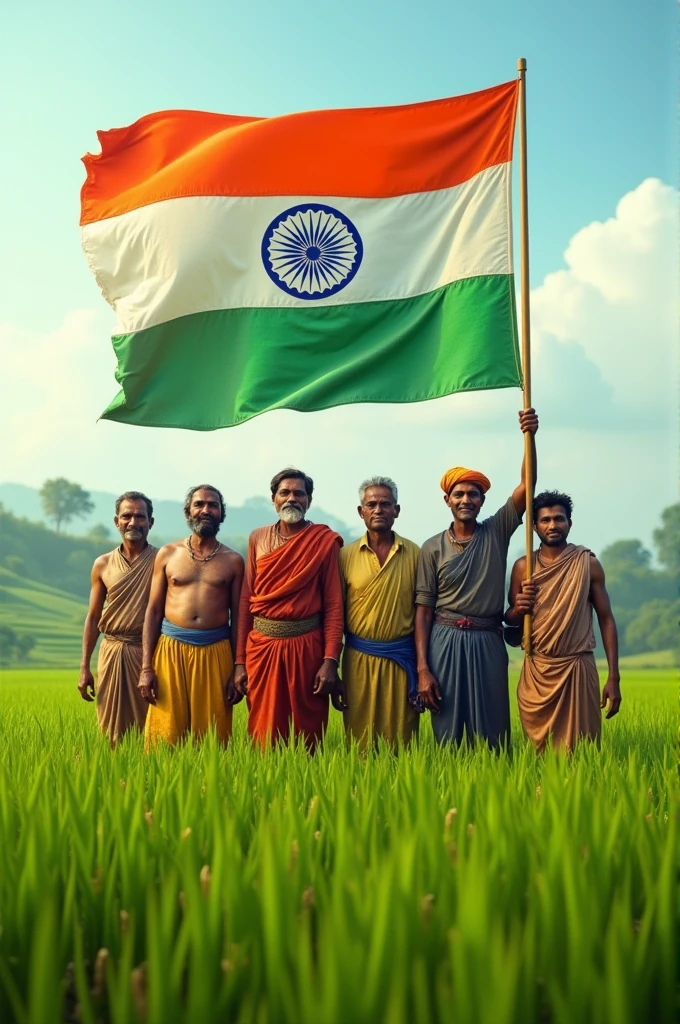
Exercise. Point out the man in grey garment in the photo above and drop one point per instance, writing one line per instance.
(462, 660)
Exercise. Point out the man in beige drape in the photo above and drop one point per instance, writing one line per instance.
(121, 580)
(559, 690)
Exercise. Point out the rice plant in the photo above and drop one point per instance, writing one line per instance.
(205, 885)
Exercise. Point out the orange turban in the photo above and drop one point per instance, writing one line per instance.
(471, 476)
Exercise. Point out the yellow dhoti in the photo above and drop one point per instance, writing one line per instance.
(191, 685)
(377, 698)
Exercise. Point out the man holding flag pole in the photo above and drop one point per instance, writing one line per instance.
(467, 569)
(462, 660)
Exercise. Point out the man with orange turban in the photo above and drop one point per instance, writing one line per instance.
(462, 660)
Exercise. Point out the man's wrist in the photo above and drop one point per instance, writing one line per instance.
(329, 657)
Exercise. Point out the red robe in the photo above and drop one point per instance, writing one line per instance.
(294, 580)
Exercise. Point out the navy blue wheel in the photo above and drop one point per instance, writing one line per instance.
(312, 251)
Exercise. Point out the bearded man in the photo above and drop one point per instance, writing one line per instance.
(193, 608)
(462, 660)
(378, 573)
(120, 584)
(559, 688)
(290, 619)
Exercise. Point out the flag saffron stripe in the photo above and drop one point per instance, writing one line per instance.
(369, 152)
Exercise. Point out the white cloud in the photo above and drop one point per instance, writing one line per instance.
(604, 383)
(54, 385)
(617, 300)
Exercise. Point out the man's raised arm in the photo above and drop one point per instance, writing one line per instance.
(91, 628)
(152, 625)
(528, 422)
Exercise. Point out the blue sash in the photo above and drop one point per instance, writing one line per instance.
(402, 651)
(197, 637)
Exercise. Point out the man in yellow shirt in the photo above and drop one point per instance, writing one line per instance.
(378, 572)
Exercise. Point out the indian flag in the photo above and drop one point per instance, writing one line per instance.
(305, 261)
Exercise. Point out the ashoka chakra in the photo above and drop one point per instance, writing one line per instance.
(311, 251)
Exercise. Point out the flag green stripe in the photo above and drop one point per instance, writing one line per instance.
(217, 369)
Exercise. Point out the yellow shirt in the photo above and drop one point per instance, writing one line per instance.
(379, 605)
(379, 600)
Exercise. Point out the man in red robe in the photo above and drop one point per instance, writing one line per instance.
(290, 619)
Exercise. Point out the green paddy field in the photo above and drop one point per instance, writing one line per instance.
(202, 885)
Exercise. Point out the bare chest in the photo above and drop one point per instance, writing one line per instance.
(183, 571)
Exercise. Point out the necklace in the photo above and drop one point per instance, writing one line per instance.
(277, 530)
(542, 563)
(460, 544)
(195, 558)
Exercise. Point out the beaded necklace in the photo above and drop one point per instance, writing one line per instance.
(460, 544)
(195, 558)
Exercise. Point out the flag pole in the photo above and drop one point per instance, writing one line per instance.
(526, 333)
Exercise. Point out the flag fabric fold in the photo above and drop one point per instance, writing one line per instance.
(305, 261)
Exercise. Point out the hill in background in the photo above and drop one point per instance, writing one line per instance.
(169, 521)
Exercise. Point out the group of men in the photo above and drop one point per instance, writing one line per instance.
(380, 628)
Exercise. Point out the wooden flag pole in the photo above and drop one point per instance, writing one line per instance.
(526, 333)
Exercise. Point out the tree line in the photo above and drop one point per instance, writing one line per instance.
(645, 599)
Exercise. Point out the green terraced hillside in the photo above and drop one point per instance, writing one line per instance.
(53, 617)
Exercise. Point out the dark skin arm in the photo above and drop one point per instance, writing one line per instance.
(428, 687)
(148, 684)
(521, 595)
(91, 630)
(528, 421)
(611, 693)
(239, 681)
(327, 681)
(245, 622)
(233, 695)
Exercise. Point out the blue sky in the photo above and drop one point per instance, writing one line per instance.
(601, 96)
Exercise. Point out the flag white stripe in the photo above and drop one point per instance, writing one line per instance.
(196, 254)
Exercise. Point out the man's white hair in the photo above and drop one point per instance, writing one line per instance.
(379, 481)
